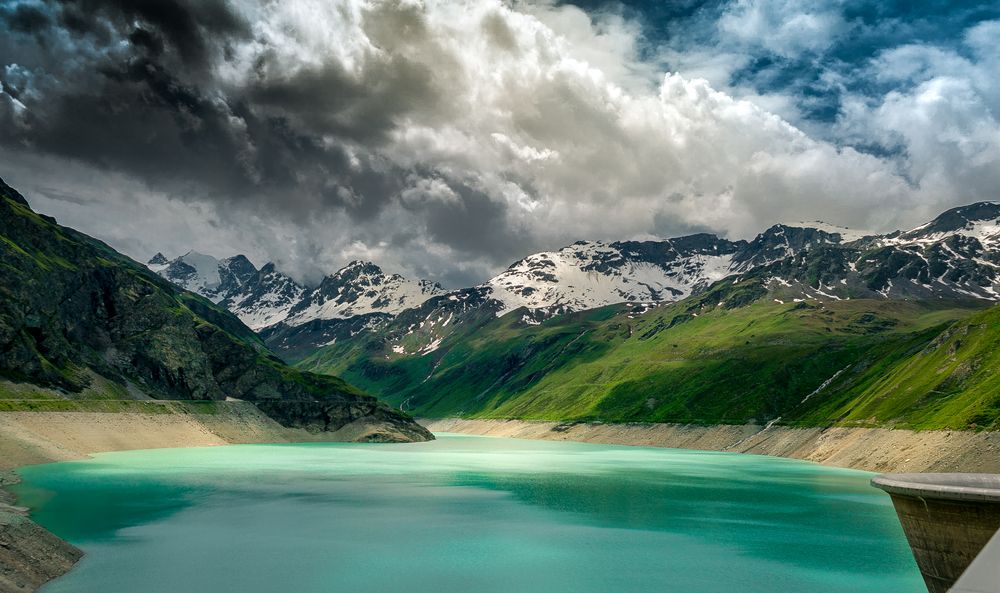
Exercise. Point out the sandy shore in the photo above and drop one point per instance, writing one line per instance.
(871, 449)
(28, 438)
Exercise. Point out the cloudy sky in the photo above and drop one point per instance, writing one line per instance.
(445, 139)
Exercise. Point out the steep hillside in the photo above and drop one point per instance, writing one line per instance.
(81, 318)
(727, 356)
(953, 382)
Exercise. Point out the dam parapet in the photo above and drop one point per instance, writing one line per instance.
(948, 520)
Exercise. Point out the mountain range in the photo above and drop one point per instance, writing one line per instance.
(957, 255)
(807, 324)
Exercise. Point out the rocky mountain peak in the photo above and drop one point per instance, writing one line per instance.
(354, 274)
(264, 298)
(360, 288)
(779, 242)
(234, 273)
(267, 296)
(212, 278)
(980, 220)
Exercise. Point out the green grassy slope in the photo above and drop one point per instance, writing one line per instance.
(953, 381)
(715, 358)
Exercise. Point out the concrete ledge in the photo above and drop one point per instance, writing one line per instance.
(970, 487)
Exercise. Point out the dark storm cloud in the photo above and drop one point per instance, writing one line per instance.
(332, 100)
(137, 98)
(25, 19)
(472, 226)
(189, 27)
(139, 109)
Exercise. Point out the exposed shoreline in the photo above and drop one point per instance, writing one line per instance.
(31, 556)
(870, 449)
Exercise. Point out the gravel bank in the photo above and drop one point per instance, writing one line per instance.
(871, 449)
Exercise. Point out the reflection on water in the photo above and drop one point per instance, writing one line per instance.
(467, 514)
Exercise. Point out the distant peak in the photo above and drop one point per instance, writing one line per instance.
(192, 253)
(980, 210)
(847, 234)
(358, 266)
(239, 260)
(158, 260)
(957, 219)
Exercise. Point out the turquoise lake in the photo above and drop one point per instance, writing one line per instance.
(467, 514)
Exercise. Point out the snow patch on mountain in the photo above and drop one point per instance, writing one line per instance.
(980, 221)
(987, 232)
(591, 274)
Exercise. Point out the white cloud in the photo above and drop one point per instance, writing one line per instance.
(785, 27)
(942, 112)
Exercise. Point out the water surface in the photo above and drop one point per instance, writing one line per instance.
(467, 514)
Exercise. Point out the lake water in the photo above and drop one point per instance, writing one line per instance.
(467, 514)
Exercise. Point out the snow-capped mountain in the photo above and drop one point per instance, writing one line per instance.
(955, 256)
(360, 288)
(265, 297)
(212, 278)
(591, 274)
